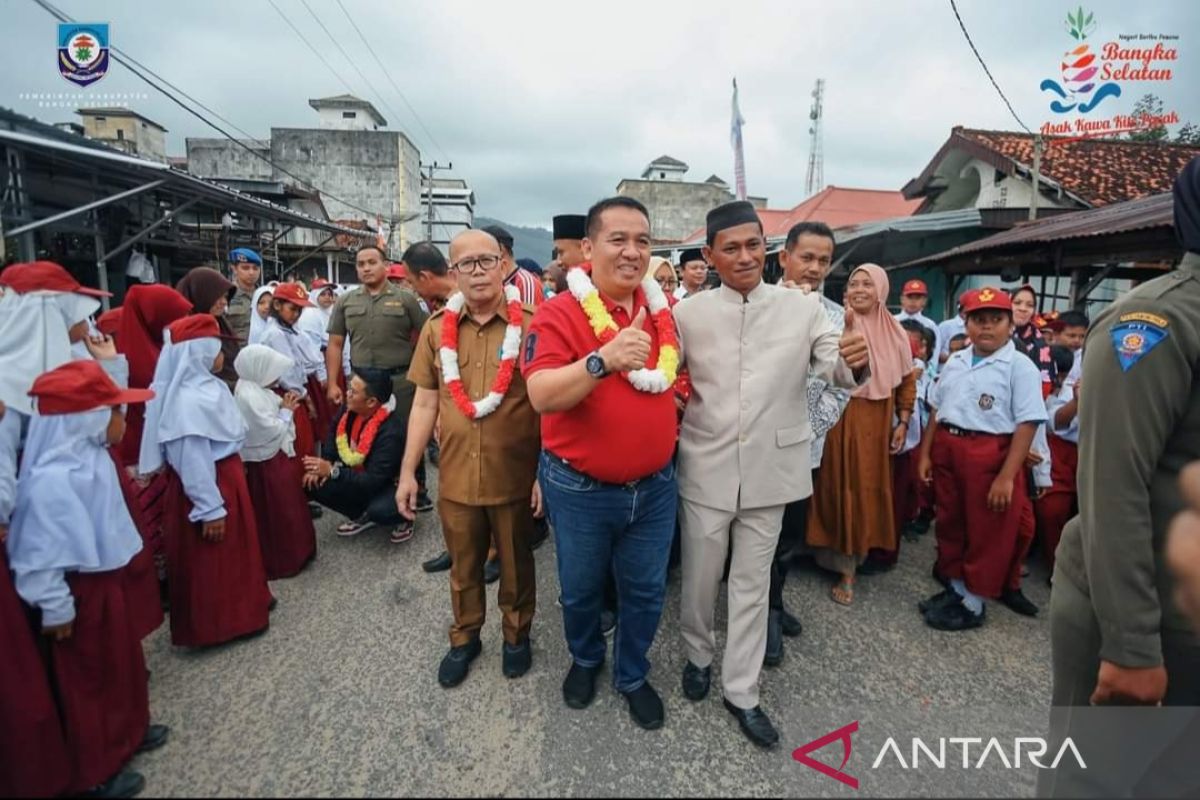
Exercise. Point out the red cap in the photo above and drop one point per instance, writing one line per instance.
(1052, 321)
(81, 385)
(44, 276)
(194, 326)
(915, 287)
(110, 321)
(987, 297)
(292, 292)
(320, 283)
(397, 272)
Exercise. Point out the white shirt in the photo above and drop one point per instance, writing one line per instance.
(947, 330)
(1054, 402)
(194, 459)
(993, 396)
(306, 359)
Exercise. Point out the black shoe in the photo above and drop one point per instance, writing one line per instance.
(773, 656)
(456, 663)
(608, 622)
(439, 563)
(953, 617)
(937, 600)
(156, 736)
(517, 659)
(541, 532)
(424, 503)
(491, 571)
(791, 626)
(919, 526)
(755, 724)
(873, 567)
(315, 510)
(1018, 602)
(125, 783)
(696, 681)
(645, 706)
(579, 687)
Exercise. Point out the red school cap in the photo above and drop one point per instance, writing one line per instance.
(293, 293)
(44, 276)
(81, 385)
(194, 326)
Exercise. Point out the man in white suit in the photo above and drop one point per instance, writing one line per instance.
(744, 447)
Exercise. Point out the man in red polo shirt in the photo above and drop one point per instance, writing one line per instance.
(606, 467)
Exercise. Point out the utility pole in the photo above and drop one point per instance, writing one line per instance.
(1037, 174)
(429, 197)
(815, 181)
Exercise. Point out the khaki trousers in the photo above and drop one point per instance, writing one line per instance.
(468, 531)
(707, 534)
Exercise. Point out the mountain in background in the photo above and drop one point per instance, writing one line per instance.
(535, 243)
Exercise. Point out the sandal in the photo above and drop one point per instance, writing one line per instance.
(842, 592)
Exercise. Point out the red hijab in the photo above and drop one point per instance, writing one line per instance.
(148, 310)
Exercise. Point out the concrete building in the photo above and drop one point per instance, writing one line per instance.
(677, 207)
(367, 174)
(453, 210)
(127, 131)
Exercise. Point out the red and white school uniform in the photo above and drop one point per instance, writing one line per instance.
(218, 590)
(1060, 502)
(306, 373)
(274, 473)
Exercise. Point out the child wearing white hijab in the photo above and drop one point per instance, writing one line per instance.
(218, 589)
(70, 541)
(273, 473)
(260, 311)
(307, 375)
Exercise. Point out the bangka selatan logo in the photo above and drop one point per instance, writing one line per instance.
(1080, 70)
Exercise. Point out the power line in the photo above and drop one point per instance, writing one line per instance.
(309, 45)
(388, 75)
(962, 25)
(120, 58)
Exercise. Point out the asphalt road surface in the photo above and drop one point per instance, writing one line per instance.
(340, 696)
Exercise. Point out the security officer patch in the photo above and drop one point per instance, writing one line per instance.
(1135, 336)
(986, 401)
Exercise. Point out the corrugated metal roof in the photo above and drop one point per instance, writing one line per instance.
(1155, 211)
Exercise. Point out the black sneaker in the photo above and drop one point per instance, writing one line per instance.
(579, 687)
(953, 617)
(696, 681)
(456, 663)
(491, 571)
(125, 783)
(156, 736)
(646, 707)
(1018, 602)
(424, 502)
(937, 600)
(517, 659)
(608, 622)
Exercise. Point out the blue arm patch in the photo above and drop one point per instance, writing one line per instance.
(1133, 340)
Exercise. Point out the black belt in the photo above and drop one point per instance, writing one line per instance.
(626, 485)
(954, 430)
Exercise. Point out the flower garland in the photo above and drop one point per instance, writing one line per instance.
(350, 455)
(448, 353)
(662, 377)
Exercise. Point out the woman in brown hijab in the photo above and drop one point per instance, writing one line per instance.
(209, 292)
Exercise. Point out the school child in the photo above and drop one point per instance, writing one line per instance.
(273, 472)
(70, 541)
(260, 312)
(307, 376)
(957, 342)
(907, 491)
(218, 589)
(986, 407)
(1060, 502)
(1072, 334)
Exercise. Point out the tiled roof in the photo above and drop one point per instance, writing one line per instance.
(667, 161)
(1098, 171)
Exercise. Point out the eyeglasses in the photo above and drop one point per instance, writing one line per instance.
(468, 265)
(667, 281)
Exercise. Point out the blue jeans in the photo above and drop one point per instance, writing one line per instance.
(623, 527)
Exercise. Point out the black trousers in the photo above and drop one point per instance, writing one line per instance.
(795, 526)
(380, 509)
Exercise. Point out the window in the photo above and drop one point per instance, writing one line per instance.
(349, 114)
(101, 119)
(120, 133)
(662, 175)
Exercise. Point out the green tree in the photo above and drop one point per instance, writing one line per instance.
(1148, 105)
(1189, 133)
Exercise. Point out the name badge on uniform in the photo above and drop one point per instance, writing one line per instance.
(1135, 335)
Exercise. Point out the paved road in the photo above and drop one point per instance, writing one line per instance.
(340, 696)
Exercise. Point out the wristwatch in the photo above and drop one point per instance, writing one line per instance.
(595, 365)
(335, 471)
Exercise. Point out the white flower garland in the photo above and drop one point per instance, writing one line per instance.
(508, 352)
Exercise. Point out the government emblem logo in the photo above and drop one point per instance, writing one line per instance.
(83, 52)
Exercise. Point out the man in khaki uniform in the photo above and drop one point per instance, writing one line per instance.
(1118, 636)
(245, 266)
(744, 447)
(489, 457)
(382, 322)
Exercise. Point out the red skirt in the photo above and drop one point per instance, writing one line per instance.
(218, 589)
(323, 418)
(129, 450)
(100, 675)
(141, 575)
(33, 754)
(285, 528)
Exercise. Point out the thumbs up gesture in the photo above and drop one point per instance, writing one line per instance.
(853, 344)
(630, 349)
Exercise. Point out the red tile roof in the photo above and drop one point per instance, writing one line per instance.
(1097, 171)
(836, 206)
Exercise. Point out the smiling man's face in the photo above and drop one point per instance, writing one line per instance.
(738, 253)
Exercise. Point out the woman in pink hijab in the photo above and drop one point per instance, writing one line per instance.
(851, 511)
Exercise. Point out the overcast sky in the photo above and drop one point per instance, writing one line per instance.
(543, 107)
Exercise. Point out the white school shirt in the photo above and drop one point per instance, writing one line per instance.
(1041, 446)
(1054, 402)
(947, 330)
(994, 396)
(306, 359)
(916, 423)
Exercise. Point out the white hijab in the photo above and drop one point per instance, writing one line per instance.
(314, 321)
(258, 325)
(189, 400)
(70, 512)
(33, 339)
(258, 367)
